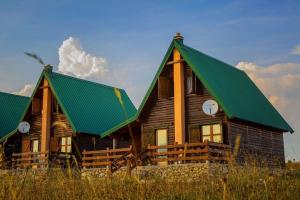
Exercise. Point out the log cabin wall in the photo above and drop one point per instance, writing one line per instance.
(158, 112)
(60, 126)
(92, 142)
(257, 142)
(159, 115)
(95, 142)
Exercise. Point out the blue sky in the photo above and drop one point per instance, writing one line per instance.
(133, 36)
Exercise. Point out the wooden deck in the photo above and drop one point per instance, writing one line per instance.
(113, 159)
(30, 160)
(170, 154)
(36, 160)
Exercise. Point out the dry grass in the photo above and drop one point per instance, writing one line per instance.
(239, 183)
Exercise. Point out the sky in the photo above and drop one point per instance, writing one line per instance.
(121, 43)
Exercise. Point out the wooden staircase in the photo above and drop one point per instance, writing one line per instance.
(113, 159)
(127, 159)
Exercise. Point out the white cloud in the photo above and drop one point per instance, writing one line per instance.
(281, 85)
(26, 90)
(73, 60)
(296, 50)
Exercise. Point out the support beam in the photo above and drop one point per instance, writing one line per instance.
(179, 104)
(46, 117)
(175, 61)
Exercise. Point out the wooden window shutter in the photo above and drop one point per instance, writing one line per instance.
(36, 106)
(198, 86)
(148, 137)
(195, 134)
(54, 145)
(170, 87)
(163, 87)
(25, 145)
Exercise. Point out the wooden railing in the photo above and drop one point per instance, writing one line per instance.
(188, 153)
(113, 158)
(30, 160)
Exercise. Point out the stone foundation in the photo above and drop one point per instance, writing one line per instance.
(176, 171)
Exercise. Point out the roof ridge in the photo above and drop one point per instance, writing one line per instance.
(216, 59)
(16, 95)
(87, 81)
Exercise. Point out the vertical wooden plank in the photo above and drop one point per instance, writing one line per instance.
(46, 117)
(179, 99)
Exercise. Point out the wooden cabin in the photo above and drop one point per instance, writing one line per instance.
(68, 115)
(197, 109)
(197, 99)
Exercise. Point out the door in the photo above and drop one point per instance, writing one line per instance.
(162, 140)
(35, 146)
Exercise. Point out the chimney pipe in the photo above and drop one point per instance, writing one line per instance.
(178, 37)
(48, 68)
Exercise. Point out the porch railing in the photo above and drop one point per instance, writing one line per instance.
(188, 153)
(106, 158)
(30, 160)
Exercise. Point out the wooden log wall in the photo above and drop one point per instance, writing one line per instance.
(59, 127)
(257, 143)
(158, 113)
(90, 142)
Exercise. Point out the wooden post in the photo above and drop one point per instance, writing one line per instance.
(149, 153)
(46, 117)
(83, 156)
(128, 163)
(109, 171)
(206, 142)
(13, 161)
(184, 152)
(114, 143)
(179, 104)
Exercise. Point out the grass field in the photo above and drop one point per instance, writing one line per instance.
(238, 183)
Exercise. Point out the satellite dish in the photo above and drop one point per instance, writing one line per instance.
(210, 107)
(24, 127)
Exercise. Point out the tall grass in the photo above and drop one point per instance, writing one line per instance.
(238, 183)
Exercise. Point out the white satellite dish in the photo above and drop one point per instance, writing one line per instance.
(24, 127)
(210, 107)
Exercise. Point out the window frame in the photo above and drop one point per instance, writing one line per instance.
(66, 146)
(211, 132)
(190, 74)
(32, 145)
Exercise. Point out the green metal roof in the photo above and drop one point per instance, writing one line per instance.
(11, 109)
(233, 89)
(90, 107)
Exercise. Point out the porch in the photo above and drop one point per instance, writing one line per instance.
(38, 160)
(114, 159)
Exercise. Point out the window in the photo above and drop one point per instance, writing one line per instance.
(190, 82)
(212, 133)
(66, 144)
(165, 87)
(36, 106)
(55, 106)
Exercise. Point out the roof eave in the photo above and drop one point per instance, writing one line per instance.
(119, 126)
(60, 103)
(150, 89)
